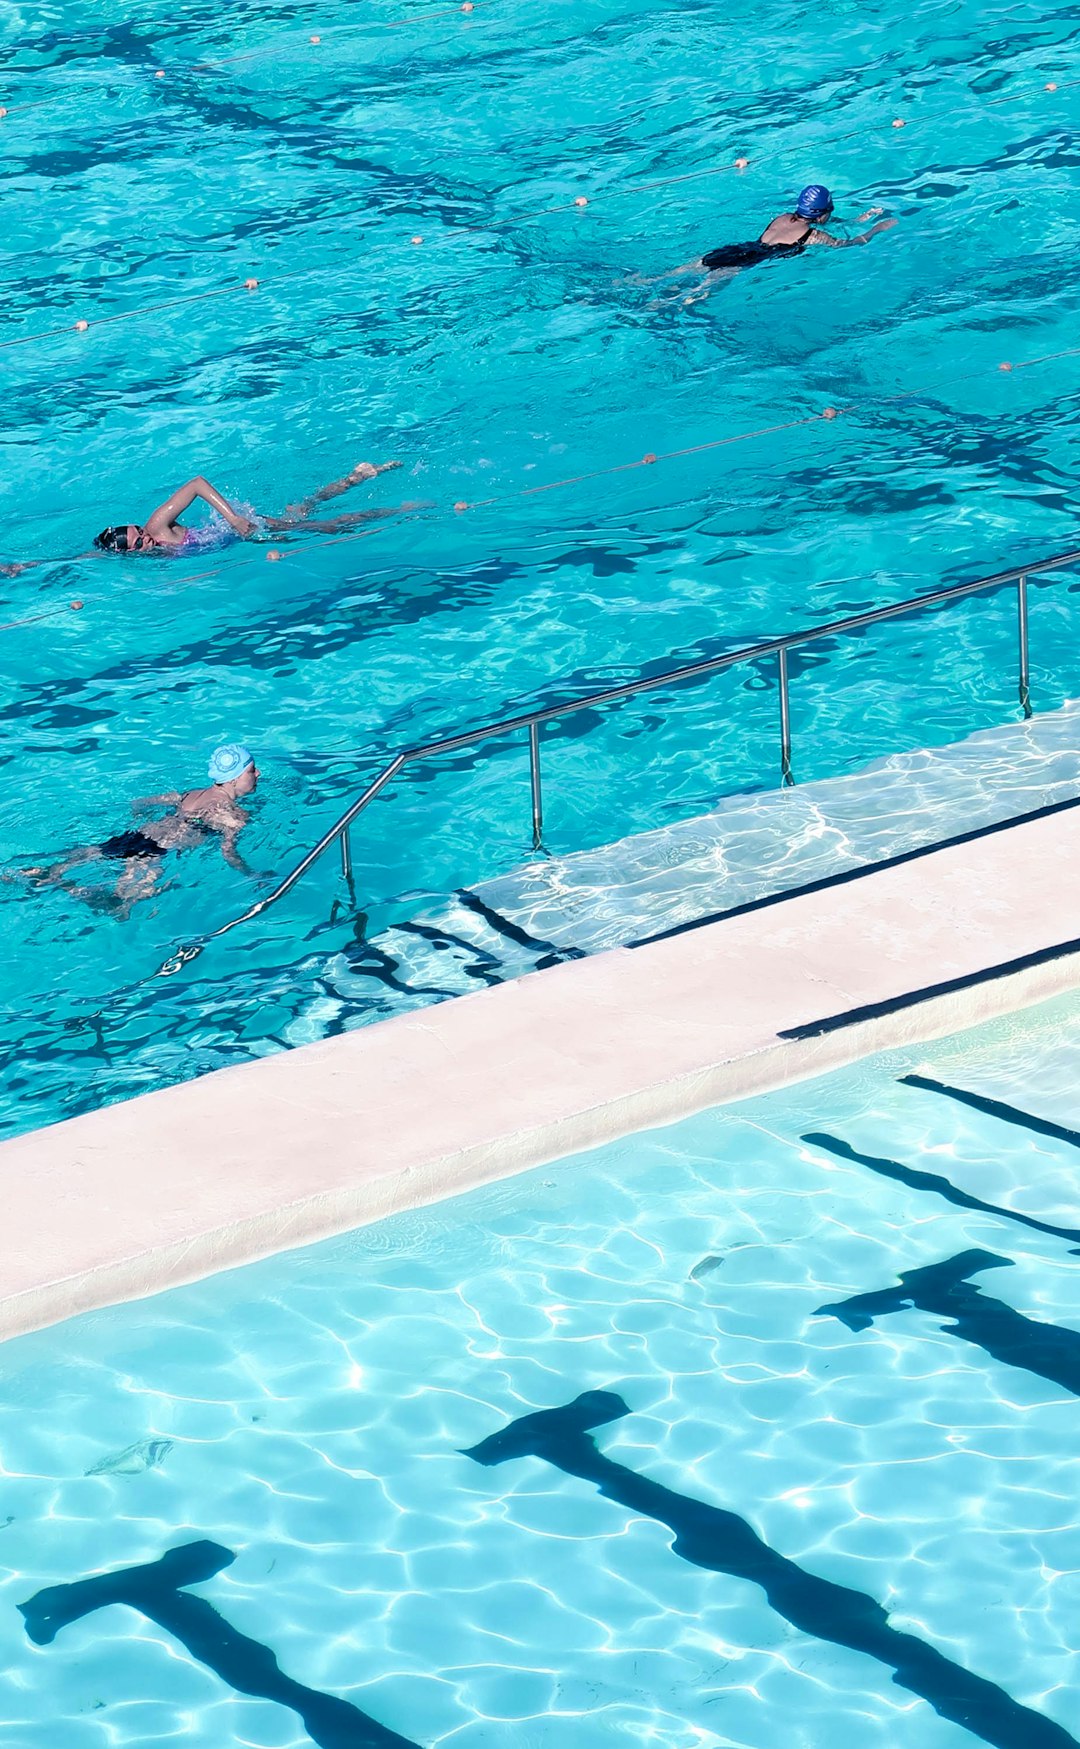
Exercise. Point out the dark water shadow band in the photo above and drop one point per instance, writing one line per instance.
(511, 931)
(156, 1590)
(917, 1180)
(1039, 1126)
(721, 1542)
(1049, 1350)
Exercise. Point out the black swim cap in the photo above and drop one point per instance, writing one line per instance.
(112, 540)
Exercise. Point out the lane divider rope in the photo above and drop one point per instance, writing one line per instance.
(826, 415)
(83, 324)
(466, 6)
(315, 41)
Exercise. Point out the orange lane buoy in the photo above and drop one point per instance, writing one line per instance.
(3, 112)
(275, 553)
(580, 200)
(898, 123)
(830, 412)
(1005, 366)
(314, 39)
(250, 284)
(461, 505)
(416, 239)
(648, 459)
(160, 74)
(75, 606)
(81, 326)
(741, 163)
(1051, 87)
(468, 6)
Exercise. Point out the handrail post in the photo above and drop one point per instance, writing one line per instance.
(1022, 633)
(534, 775)
(785, 718)
(346, 855)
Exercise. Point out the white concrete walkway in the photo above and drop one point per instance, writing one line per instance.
(177, 1184)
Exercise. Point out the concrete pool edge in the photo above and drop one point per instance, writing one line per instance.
(175, 1185)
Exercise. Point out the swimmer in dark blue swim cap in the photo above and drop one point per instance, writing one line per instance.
(788, 235)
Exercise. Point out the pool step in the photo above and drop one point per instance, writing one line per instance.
(456, 949)
(748, 848)
(753, 846)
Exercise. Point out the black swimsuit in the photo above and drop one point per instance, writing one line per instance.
(129, 845)
(749, 254)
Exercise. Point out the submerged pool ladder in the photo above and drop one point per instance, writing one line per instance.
(528, 722)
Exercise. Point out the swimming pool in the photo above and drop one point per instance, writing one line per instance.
(495, 357)
(649, 1445)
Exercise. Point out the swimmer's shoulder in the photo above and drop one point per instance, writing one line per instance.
(780, 229)
(196, 803)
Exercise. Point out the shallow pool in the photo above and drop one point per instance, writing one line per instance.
(501, 354)
(757, 1430)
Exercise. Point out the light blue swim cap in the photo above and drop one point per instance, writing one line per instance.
(814, 202)
(229, 761)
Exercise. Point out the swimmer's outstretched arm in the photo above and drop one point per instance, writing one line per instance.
(161, 523)
(850, 242)
(297, 513)
(16, 567)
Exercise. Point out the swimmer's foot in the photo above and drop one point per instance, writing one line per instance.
(45, 875)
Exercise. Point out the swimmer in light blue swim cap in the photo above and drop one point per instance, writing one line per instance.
(230, 762)
(196, 814)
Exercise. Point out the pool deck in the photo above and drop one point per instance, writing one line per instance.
(171, 1186)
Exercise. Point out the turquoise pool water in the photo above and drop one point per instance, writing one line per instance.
(806, 1372)
(496, 357)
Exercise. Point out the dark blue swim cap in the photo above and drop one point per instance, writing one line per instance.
(814, 202)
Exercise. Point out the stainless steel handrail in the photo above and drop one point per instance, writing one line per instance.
(530, 721)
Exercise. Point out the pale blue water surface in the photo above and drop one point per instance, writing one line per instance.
(314, 1417)
(503, 353)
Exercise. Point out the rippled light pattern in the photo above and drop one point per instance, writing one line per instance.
(722, 1434)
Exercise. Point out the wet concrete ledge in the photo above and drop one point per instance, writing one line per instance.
(171, 1186)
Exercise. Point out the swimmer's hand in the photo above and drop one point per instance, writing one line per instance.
(367, 471)
(244, 527)
(13, 570)
(865, 236)
(872, 212)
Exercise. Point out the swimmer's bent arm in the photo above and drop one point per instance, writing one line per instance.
(163, 518)
(169, 799)
(231, 854)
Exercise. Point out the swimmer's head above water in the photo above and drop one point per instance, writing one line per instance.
(815, 203)
(234, 764)
(124, 537)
